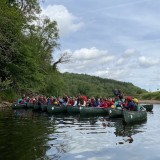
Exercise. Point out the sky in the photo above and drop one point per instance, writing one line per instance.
(115, 39)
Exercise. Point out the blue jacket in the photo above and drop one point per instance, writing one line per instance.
(131, 106)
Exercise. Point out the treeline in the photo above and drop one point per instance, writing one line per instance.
(27, 44)
(96, 86)
(151, 95)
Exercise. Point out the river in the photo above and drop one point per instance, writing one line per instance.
(28, 135)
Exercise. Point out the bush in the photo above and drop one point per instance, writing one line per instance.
(9, 95)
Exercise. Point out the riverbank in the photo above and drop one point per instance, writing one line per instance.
(149, 101)
(8, 104)
(5, 105)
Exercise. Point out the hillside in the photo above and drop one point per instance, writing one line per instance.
(151, 95)
(96, 86)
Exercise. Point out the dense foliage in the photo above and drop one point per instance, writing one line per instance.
(27, 43)
(96, 86)
(151, 95)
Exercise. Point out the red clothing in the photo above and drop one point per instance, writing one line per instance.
(71, 102)
(110, 103)
(84, 98)
(124, 104)
(104, 104)
(31, 100)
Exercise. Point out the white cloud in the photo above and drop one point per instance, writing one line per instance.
(112, 73)
(88, 59)
(129, 52)
(101, 73)
(120, 61)
(88, 54)
(128, 55)
(148, 61)
(98, 62)
(92, 54)
(67, 22)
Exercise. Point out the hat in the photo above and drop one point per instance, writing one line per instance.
(135, 100)
(129, 98)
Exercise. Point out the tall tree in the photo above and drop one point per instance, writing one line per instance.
(26, 47)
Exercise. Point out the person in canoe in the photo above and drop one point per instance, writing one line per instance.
(23, 100)
(125, 103)
(137, 105)
(75, 101)
(89, 103)
(130, 104)
(65, 100)
(60, 101)
(71, 101)
(118, 94)
(32, 100)
(95, 102)
(50, 100)
(82, 100)
(104, 103)
(110, 102)
(119, 105)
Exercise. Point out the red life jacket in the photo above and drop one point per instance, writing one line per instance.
(84, 98)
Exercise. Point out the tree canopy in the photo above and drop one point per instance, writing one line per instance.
(96, 86)
(27, 42)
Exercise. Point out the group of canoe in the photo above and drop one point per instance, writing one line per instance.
(127, 115)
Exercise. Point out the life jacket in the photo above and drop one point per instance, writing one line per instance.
(118, 106)
(19, 101)
(31, 100)
(109, 103)
(104, 104)
(84, 98)
(130, 106)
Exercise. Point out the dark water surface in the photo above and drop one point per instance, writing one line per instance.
(27, 135)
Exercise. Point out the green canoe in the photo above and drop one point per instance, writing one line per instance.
(56, 109)
(148, 107)
(134, 116)
(73, 109)
(93, 111)
(36, 107)
(30, 105)
(115, 113)
(18, 106)
(43, 107)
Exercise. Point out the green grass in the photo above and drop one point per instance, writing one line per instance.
(151, 96)
(9, 96)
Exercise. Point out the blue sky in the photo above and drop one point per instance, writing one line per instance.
(116, 39)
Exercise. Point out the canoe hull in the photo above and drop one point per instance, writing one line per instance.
(134, 116)
(115, 113)
(73, 110)
(30, 105)
(56, 109)
(43, 107)
(93, 111)
(36, 107)
(18, 106)
(148, 107)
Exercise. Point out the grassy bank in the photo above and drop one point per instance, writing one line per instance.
(151, 96)
(9, 96)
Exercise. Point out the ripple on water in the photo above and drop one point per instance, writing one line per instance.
(71, 137)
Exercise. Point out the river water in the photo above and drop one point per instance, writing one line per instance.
(28, 135)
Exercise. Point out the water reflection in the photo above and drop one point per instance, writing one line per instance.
(22, 136)
(36, 135)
